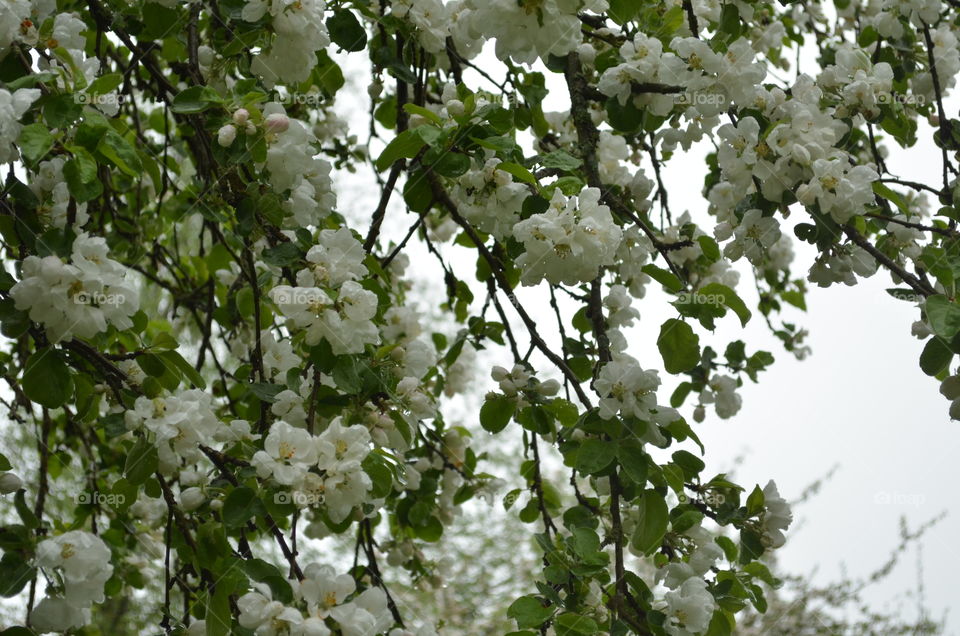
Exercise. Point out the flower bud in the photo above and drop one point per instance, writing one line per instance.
(455, 108)
(9, 483)
(277, 123)
(226, 135)
(240, 116)
(192, 498)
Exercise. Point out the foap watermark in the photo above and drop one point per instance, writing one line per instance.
(105, 99)
(100, 499)
(296, 98)
(696, 298)
(907, 99)
(99, 299)
(907, 296)
(298, 296)
(884, 498)
(298, 498)
(709, 498)
(696, 98)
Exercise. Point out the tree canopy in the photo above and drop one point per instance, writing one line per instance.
(237, 402)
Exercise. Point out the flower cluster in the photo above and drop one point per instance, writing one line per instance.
(328, 302)
(179, 424)
(300, 32)
(295, 168)
(79, 564)
(324, 594)
(79, 298)
(569, 242)
(490, 199)
(290, 455)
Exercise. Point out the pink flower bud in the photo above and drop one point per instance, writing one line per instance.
(277, 123)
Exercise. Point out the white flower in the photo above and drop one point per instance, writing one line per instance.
(490, 199)
(55, 614)
(689, 608)
(345, 489)
(339, 445)
(83, 560)
(294, 166)
(180, 423)
(323, 589)
(337, 258)
(287, 454)
(722, 392)
(366, 615)
(288, 406)
(550, 27)
(777, 516)
(300, 32)
(79, 298)
(626, 388)
(841, 191)
(259, 612)
(568, 243)
(751, 238)
(278, 356)
(12, 108)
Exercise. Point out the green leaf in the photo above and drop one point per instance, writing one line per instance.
(595, 455)
(519, 172)
(690, 463)
(727, 297)
(652, 523)
(751, 545)
(633, 461)
(452, 164)
(265, 391)
(943, 315)
(218, 616)
(709, 247)
(264, 572)
(894, 197)
(283, 255)
(426, 113)
(936, 356)
(239, 506)
(120, 153)
(195, 99)
(47, 380)
(560, 160)
(142, 461)
(34, 142)
(105, 84)
(679, 346)
(623, 10)
(346, 31)
(406, 145)
(26, 514)
(15, 573)
(529, 611)
(496, 412)
(755, 501)
(178, 362)
(662, 276)
(575, 625)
